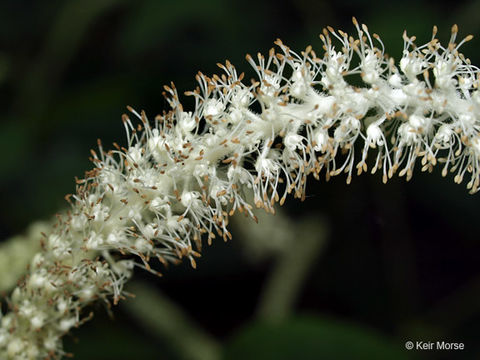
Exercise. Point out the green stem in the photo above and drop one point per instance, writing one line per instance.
(290, 270)
(165, 319)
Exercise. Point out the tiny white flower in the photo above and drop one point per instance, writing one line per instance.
(417, 122)
(187, 122)
(135, 154)
(320, 137)
(213, 108)
(292, 141)
(444, 135)
(411, 65)
(241, 97)
(395, 80)
(374, 135)
(66, 324)
(38, 320)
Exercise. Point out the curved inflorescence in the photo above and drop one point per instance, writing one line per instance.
(183, 176)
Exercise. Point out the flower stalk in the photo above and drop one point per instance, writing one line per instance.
(181, 177)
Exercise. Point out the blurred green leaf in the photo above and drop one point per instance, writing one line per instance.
(14, 139)
(307, 337)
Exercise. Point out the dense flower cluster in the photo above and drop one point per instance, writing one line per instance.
(180, 178)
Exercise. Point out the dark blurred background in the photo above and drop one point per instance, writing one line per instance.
(400, 261)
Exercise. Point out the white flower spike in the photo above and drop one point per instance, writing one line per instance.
(182, 177)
